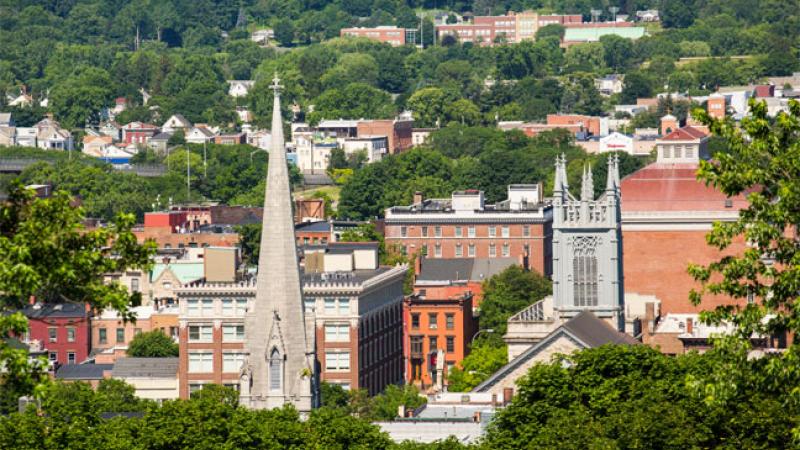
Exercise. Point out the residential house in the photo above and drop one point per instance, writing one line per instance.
(8, 136)
(50, 135)
(63, 329)
(609, 84)
(112, 129)
(26, 136)
(448, 277)
(648, 15)
(199, 135)
(420, 136)
(373, 147)
(176, 122)
(240, 88)
(111, 334)
(159, 142)
(465, 226)
(260, 139)
(262, 36)
(86, 373)
(94, 145)
(152, 378)
(138, 133)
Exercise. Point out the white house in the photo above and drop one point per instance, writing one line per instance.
(199, 135)
(175, 123)
(374, 147)
(262, 36)
(609, 84)
(240, 88)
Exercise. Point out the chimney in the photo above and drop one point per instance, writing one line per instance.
(418, 197)
(689, 326)
(650, 317)
(669, 123)
(508, 394)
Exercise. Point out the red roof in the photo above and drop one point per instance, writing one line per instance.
(764, 90)
(673, 187)
(687, 133)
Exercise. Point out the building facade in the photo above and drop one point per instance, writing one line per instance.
(63, 330)
(464, 226)
(391, 35)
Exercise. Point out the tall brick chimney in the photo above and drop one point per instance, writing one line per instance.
(418, 197)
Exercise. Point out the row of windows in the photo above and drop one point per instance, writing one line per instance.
(433, 321)
(417, 343)
(375, 323)
(332, 305)
(505, 231)
(337, 361)
(205, 333)
(505, 250)
(102, 335)
(203, 362)
(52, 334)
(372, 351)
(337, 333)
(53, 357)
(205, 307)
(678, 151)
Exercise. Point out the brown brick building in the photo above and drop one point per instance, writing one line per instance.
(389, 34)
(464, 226)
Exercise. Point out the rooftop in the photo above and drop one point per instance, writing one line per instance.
(186, 272)
(82, 371)
(687, 133)
(594, 33)
(462, 269)
(145, 368)
(49, 310)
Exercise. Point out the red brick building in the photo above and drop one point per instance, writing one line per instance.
(389, 34)
(447, 278)
(464, 226)
(397, 131)
(63, 330)
(590, 124)
(138, 132)
(432, 323)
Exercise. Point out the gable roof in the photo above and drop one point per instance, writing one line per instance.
(184, 272)
(51, 310)
(463, 269)
(687, 133)
(586, 330)
(145, 368)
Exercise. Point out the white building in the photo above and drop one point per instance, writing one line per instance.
(153, 378)
(373, 146)
(240, 88)
(176, 122)
(616, 142)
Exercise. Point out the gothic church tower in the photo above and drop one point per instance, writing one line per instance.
(587, 247)
(280, 367)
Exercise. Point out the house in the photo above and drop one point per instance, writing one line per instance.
(152, 378)
(199, 135)
(159, 142)
(112, 129)
(118, 155)
(609, 84)
(260, 139)
(6, 120)
(94, 145)
(262, 36)
(648, 15)
(50, 135)
(26, 136)
(244, 114)
(138, 133)
(420, 136)
(240, 88)
(8, 136)
(455, 276)
(583, 331)
(174, 123)
(373, 147)
(111, 334)
(230, 139)
(63, 329)
(22, 100)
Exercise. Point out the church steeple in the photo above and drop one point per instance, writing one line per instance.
(587, 184)
(279, 368)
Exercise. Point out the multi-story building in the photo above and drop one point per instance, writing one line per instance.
(354, 304)
(389, 34)
(61, 329)
(453, 277)
(432, 325)
(464, 226)
(511, 28)
(111, 335)
(138, 133)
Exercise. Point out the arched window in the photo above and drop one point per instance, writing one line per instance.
(275, 369)
(584, 271)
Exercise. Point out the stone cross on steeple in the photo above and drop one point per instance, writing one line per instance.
(280, 366)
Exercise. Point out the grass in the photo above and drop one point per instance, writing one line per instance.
(332, 191)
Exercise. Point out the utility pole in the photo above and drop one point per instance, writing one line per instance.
(205, 163)
(188, 174)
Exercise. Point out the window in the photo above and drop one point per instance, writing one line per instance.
(459, 251)
(506, 231)
(201, 333)
(275, 370)
(344, 306)
(207, 308)
(52, 333)
(471, 232)
(450, 321)
(167, 285)
(337, 361)
(437, 231)
(194, 387)
(415, 321)
(526, 231)
(432, 321)
(403, 231)
(232, 362)
(134, 285)
(201, 362)
(492, 232)
(234, 308)
(458, 232)
(192, 307)
(437, 250)
(330, 305)
(506, 250)
(227, 307)
(433, 343)
(232, 333)
(451, 344)
(310, 303)
(52, 356)
(416, 345)
(120, 335)
(471, 250)
(70, 334)
(102, 335)
(584, 271)
(424, 231)
(70, 357)
(492, 251)
(337, 333)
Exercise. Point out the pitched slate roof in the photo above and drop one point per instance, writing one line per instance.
(319, 226)
(145, 368)
(455, 269)
(82, 371)
(41, 311)
(586, 330)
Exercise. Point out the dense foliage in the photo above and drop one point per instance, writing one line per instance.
(153, 344)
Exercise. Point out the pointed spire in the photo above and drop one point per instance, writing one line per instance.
(587, 184)
(616, 172)
(558, 183)
(610, 181)
(564, 178)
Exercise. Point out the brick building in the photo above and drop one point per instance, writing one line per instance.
(354, 304)
(511, 28)
(138, 132)
(389, 34)
(596, 126)
(433, 323)
(452, 277)
(464, 226)
(62, 329)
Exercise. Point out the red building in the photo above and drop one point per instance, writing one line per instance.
(433, 323)
(398, 132)
(447, 278)
(138, 132)
(464, 226)
(389, 34)
(63, 330)
(589, 124)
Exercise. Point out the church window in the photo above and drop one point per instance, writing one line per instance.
(584, 271)
(275, 369)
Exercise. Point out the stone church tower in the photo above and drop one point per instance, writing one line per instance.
(281, 367)
(587, 247)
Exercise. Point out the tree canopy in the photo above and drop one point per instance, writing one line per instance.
(152, 344)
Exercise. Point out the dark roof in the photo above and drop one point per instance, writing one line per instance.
(586, 330)
(455, 269)
(145, 368)
(41, 311)
(82, 371)
(163, 136)
(235, 215)
(319, 226)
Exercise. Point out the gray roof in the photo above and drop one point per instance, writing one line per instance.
(356, 276)
(321, 226)
(455, 269)
(163, 136)
(82, 371)
(586, 330)
(41, 311)
(145, 368)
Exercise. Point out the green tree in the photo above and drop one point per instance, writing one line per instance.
(552, 30)
(354, 101)
(509, 292)
(636, 85)
(428, 106)
(284, 32)
(482, 361)
(153, 344)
